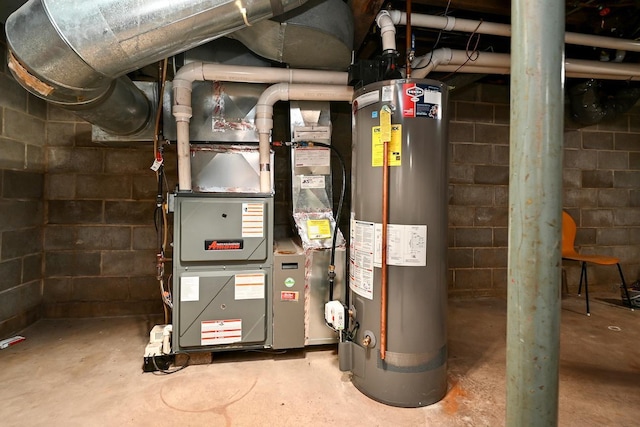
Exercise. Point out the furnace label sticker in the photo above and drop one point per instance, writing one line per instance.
(307, 157)
(395, 146)
(312, 181)
(292, 296)
(215, 332)
(253, 220)
(189, 289)
(406, 245)
(249, 286)
(420, 100)
(318, 229)
(361, 258)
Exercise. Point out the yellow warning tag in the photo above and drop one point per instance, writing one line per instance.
(318, 229)
(395, 146)
(385, 123)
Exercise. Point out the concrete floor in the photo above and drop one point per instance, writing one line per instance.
(88, 373)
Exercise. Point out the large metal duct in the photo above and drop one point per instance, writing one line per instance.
(74, 53)
(318, 35)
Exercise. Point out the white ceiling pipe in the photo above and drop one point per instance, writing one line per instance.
(423, 65)
(445, 56)
(198, 71)
(387, 31)
(501, 70)
(449, 23)
(286, 92)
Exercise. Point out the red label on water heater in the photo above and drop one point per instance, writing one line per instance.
(420, 100)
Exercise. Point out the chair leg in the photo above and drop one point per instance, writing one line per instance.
(586, 286)
(624, 286)
(582, 274)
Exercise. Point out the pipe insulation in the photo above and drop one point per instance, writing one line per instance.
(198, 71)
(450, 23)
(74, 54)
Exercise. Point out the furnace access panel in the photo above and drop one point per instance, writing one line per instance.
(223, 263)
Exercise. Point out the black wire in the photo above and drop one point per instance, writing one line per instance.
(170, 371)
(340, 203)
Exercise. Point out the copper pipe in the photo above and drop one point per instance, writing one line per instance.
(384, 272)
(408, 40)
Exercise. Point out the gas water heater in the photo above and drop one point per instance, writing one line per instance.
(397, 346)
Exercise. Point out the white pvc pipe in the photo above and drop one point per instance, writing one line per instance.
(501, 70)
(198, 71)
(286, 92)
(387, 31)
(449, 23)
(487, 61)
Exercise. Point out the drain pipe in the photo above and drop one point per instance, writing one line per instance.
(387, 31)
(286, 92)
(198, 71)
(535, 213)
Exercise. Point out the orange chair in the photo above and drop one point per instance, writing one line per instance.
(569, 252)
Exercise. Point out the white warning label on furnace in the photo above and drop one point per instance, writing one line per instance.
(215, 332)
(361, 258)
(406, 245)
(249, 286)
(189, 288)
(312, 181)
(313, 157)
(253, 220)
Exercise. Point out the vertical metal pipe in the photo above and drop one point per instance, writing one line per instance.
(384, 272)
(535, 209)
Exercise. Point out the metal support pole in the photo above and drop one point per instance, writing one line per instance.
(535, 212)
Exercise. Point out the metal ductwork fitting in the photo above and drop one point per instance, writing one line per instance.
(318, 35)
(75, 54)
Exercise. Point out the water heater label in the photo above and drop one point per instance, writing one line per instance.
(395, 146)
(420, 100)
(406, 245)
(361, 258)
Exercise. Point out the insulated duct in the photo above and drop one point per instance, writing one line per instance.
(589, 106)
(318, 35)
(74, 54)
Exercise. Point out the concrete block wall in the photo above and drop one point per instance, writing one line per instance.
(22, 140)
(100, 241)
(601, 190)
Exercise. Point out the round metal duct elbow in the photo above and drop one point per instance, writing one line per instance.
(318, 35)
(75, 53)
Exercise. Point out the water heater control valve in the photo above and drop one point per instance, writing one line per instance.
(335, 314)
